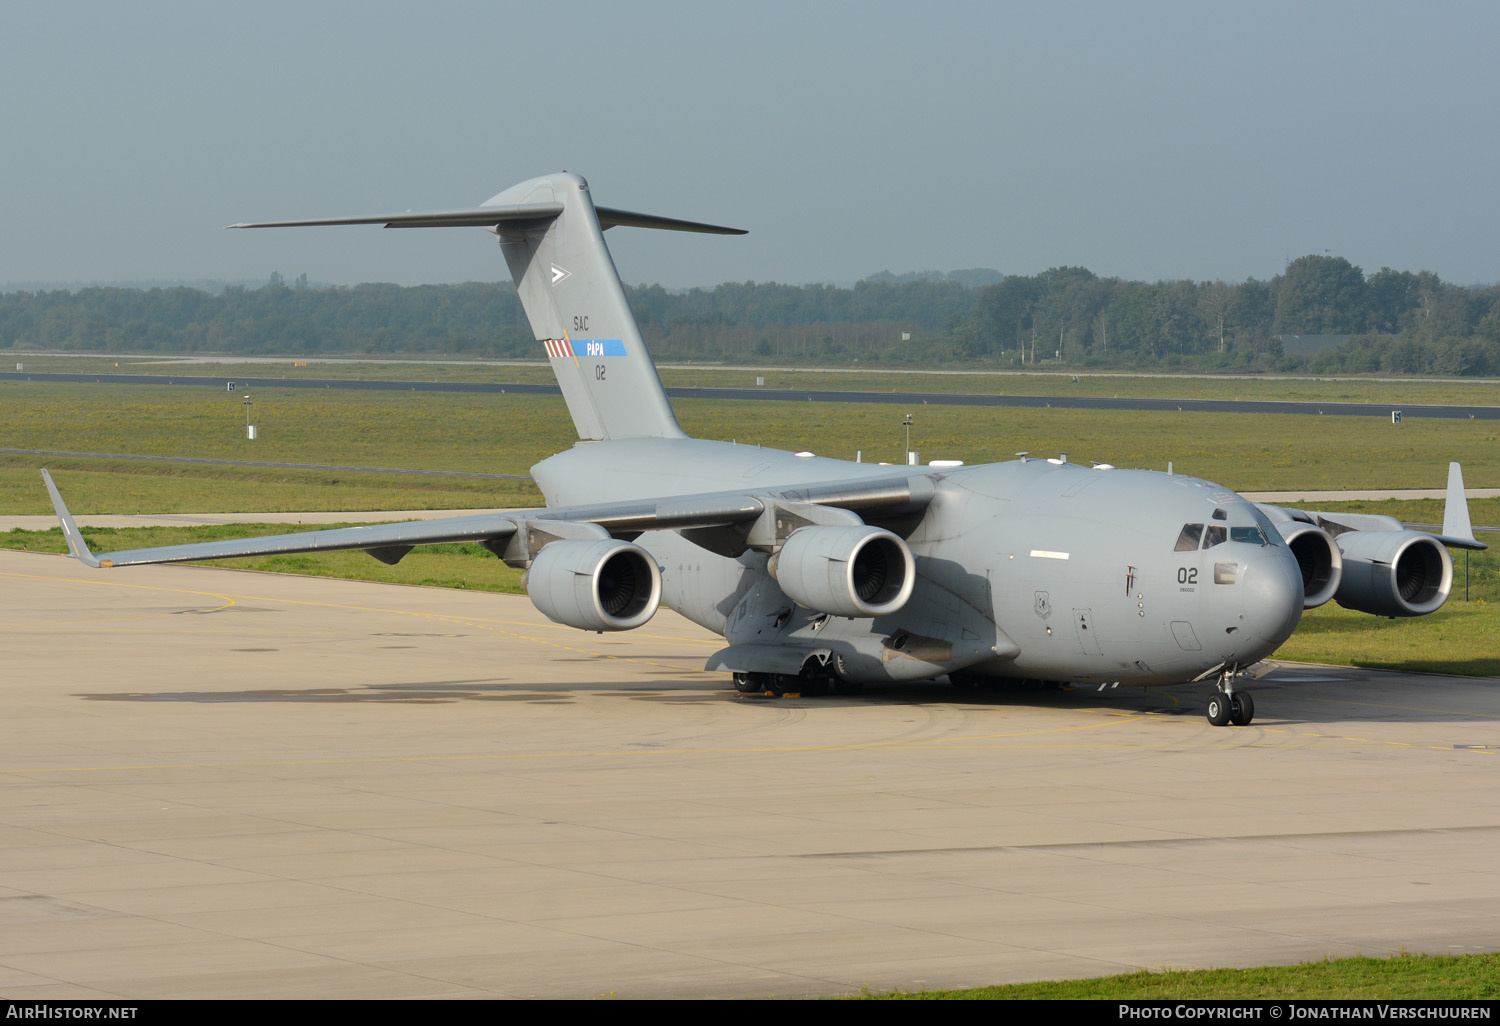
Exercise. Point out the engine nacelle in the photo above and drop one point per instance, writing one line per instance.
(849, 571)
(604, 585)
(1394, 573)
(1318, 558)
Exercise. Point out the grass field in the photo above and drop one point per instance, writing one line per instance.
(1403, 978)
(485, 434)
(507, 434)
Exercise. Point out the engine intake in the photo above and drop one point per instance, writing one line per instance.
(850, 571)
(1394, 573)
(1318, 558)
(603, 585)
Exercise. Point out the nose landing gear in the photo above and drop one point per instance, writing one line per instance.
(1227, 705)
(1241, 708)
(1218, 709)
(1237, 708)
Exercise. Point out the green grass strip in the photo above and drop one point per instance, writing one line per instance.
(1401, 978)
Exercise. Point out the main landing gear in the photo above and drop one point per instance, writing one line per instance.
(814, 681)
(752, 683)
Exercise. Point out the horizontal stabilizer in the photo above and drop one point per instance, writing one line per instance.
(474, 217)
(609, 217)
(489, 217)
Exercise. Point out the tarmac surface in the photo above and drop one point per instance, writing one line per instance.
(225, 784)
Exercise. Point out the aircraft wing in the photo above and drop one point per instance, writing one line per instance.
(1457, 532)
(378, 539)
(516, 536)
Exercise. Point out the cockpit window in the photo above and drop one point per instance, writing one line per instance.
(1219, 514)
(1216, 534)
(1249, 535)
(1187, 541)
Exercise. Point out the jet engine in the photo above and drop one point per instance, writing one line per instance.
(849, 571)
(1394, 573)
(604, 585)
(1318, 558)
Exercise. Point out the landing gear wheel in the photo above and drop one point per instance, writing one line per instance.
(1241, 709)
(779, 683)
(1218, 709)
(814, 685)
(750, 683)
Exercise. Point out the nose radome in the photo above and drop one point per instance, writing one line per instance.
(1272, 601)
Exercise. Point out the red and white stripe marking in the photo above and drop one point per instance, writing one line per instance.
(558, 349)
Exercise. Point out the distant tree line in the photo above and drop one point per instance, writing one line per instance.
(1397, 321)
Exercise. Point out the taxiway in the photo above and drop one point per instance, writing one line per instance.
(229, 784)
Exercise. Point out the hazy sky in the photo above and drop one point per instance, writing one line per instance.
(1142, 140)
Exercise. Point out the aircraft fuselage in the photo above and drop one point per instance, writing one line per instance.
(1033, 569)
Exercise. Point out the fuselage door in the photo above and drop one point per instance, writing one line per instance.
(1083, 625)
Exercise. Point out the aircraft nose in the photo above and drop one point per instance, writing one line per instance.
(1272, 602)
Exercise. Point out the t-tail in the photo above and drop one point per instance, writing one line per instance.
(552, 236)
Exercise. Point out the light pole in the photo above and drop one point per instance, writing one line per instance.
(907, 424)
(247, 417)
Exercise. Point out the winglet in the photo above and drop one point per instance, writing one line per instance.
(1458, 531)
(76, 544)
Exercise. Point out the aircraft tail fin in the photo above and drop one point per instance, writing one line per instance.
(576, 305)
(552, 236)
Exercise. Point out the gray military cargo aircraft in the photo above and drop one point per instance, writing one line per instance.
(823, 574)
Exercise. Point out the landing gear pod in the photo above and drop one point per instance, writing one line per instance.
(603, 585)
(1318, 559)
(1394, 573)
(846, 571)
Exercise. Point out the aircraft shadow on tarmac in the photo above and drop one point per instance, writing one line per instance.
(1289, 688)
(447, 691)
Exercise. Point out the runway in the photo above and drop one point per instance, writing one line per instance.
(235, 785)
(1296, 407)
